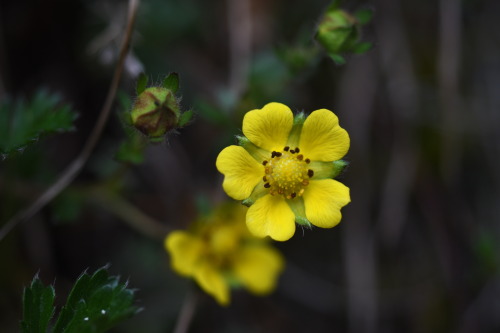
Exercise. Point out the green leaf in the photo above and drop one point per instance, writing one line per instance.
(171, 82)
(38, 307)
(142, 82)
(185, 118)
(337, 58)
(132, 149)
(362, 47)
(364, 16)
(22, 123)
(95, 304)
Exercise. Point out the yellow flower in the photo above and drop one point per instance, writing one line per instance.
(219, 252)
(283, 170)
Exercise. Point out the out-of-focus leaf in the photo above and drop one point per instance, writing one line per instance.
(362, 47)
(142, 82)
(38, 307)
(171, 82)
(22, 123)
(337, 58)
(132, 149)
(67, 206)
(364, 16)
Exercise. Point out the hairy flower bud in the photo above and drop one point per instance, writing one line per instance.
(155, 112)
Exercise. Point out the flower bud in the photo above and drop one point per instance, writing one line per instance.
(155, 112)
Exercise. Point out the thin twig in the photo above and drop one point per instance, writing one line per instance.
(76, 166)
(128, 213)
(187, 312)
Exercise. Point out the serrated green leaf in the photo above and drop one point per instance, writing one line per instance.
(95, 304)
(142, 82)
(185, 118)
(22, 123)
(364, 16)
(38, 307)
(171, 82)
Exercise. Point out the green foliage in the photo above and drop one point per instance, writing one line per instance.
(96, 303)
(131, 150)
(142, 82)
(67, 206)
(171, 82)
(339, 32)
(38, 309)
(22, 123)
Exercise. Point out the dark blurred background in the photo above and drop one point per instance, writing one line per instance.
(417, 249)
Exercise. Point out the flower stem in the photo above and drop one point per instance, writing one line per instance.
(187, 312)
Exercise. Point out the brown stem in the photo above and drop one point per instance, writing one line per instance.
(187, 312)
(76, 166)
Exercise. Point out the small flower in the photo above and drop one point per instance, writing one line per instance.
(219, 252)
(283, 170)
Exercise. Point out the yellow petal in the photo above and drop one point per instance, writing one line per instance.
(185, 250)
(257, 267)
(271, 216)
(268, 128)
(241, 172)
(213, 283)
(323, 200)
(322, 139)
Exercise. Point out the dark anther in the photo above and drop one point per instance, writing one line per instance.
(308, 161)
(292, 151)
(273, 154)
(267, 185)
(286, 148)
(278, 154)
(293, 195)
(310, 173)
(300, 157)
(264, 178)
(264, 162)
(297, 149)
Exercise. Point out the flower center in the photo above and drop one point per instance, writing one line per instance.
(287, 173)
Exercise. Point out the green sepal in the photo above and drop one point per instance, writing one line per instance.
(142, 82)
(334, 5)
(38, 307)
(294, 136)
(258, 192)
(364, 16)
(171, 82)
(257, 153)
(337, 58)
(338, 167)
(131, 150)
(298, 208)
(185, 118)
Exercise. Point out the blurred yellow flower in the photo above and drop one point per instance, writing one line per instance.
(283, 169)
(218, 252)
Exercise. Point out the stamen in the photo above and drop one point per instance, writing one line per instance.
(292, 151)
(297, 149)
(293, 195)
(310, 173)
(273, 154)
(278, 154)
(267, 185)
(264, 178)
(286, 148)
(308, 160)
(264, 162)
(300, 157)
